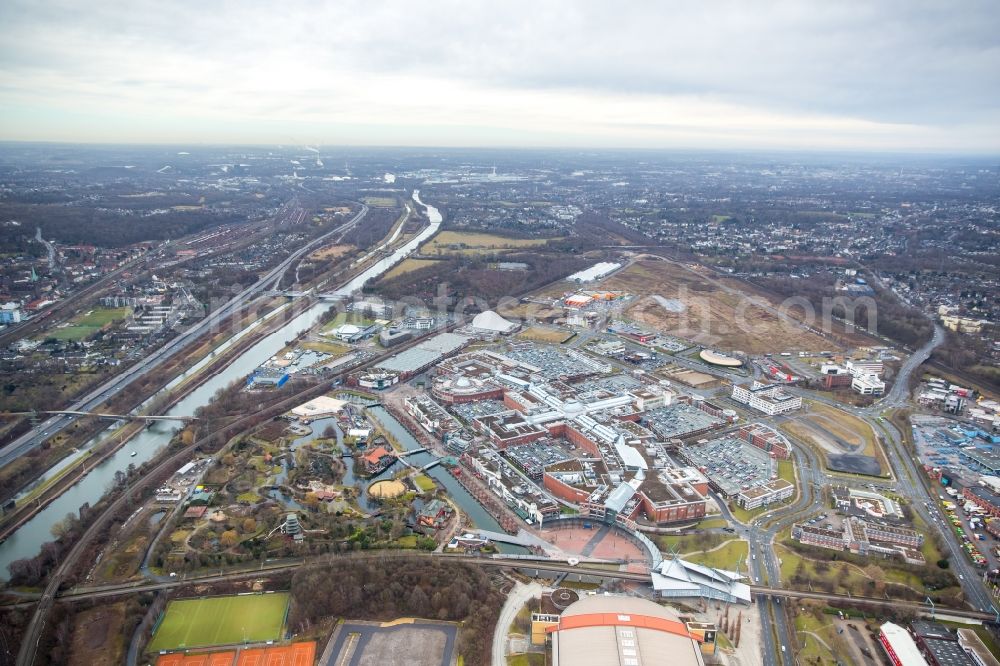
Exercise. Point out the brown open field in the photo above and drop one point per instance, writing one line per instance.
(330, 252)
(716, 313)
(539, 334)
(407, 266)
(381, 202)
(472, 242)
(97, 636)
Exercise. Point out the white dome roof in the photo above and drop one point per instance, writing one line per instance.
(491, 321)
(348, 329)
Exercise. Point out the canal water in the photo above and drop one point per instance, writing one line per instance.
(28, 539)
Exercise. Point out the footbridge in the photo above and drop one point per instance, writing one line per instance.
(522, 538)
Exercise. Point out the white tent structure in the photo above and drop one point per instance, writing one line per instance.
(491, 322)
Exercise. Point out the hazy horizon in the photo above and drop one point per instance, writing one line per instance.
(906, 77)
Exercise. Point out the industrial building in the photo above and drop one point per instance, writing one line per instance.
(613, 630)
(595, 272)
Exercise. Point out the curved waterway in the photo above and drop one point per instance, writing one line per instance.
(28, 539)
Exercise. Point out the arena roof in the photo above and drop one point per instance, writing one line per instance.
(621, 631)
(715, 358)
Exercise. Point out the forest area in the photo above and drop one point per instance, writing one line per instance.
(402, 588)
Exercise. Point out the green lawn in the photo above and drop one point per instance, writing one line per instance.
(424, 482)
(813, 652)
(526, 659)
(408, 541)
(786, 470)
(726, 557)
(709, 523)
(220, 621)
(744, 516)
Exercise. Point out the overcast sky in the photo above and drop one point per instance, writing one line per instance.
(907, 75)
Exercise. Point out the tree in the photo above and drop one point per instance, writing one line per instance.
(65, 525)
(249, 525)
(943, 563)
(229, 538)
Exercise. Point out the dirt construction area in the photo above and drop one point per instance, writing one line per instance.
(847, 442)
(718, 312)
(411, 642)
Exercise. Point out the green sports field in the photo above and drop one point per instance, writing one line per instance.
(220, 621)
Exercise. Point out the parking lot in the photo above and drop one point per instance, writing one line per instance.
(731, 463)
(679, 420)
(944, 443)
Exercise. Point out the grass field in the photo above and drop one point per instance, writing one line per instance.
(725, 557)
(424, 482)
(472, 242)
(220, 621)
(380, 202)
(813, 651)
(539, 334)
(408, 266)
(86, 324)
(709, 523)
(786, 470)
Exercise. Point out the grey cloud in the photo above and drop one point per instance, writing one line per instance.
(920, 63)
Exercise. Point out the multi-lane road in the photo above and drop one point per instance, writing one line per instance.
(113, 386)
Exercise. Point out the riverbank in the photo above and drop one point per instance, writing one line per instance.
(53, 488)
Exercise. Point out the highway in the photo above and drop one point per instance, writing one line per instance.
(113, 386)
